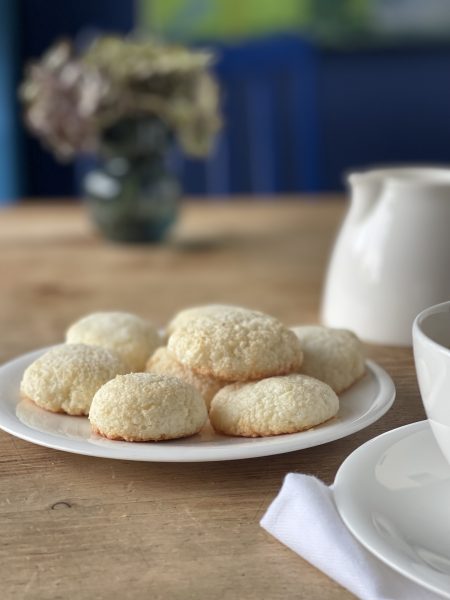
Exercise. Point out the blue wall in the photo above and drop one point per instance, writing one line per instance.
(297, 116)
(382, 106)
(10, 138)
(41, 23)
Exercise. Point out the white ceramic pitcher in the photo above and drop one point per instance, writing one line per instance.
(392, 256)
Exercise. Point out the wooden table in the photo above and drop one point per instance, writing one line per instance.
(83, 528)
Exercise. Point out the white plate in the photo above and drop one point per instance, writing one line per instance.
(393, 493)
(363, 404)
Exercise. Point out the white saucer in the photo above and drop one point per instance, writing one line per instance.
(393, 493)
(360, 406)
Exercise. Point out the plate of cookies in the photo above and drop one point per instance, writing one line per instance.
(219, 382)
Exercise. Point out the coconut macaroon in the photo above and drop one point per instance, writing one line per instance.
(143, 407)
(133, 338)
(334, 356)
(272, 406)
(236, 345)
(65, 378)
(164, 363)
(189, 314)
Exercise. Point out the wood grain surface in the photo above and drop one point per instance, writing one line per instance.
(88, 528)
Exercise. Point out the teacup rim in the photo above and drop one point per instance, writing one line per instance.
(418, 332)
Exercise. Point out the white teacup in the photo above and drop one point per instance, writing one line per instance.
(431, 339)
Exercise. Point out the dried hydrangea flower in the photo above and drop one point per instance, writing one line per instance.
(71, 100)
(62, 100)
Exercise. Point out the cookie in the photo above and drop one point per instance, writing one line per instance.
(65, 378)
(164, 363)
(236, 345)
(133, 338)
(143, 407)
(334, 356)
(188, 314)
(272, 406)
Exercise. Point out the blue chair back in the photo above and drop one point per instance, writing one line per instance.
(269, 142)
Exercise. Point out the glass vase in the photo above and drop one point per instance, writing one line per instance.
(131, 195)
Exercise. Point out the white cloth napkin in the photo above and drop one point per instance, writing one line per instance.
(304, 517)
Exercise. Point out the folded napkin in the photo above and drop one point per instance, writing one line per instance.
(304, 517)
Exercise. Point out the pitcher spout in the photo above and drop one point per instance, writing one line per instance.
(366, 189)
